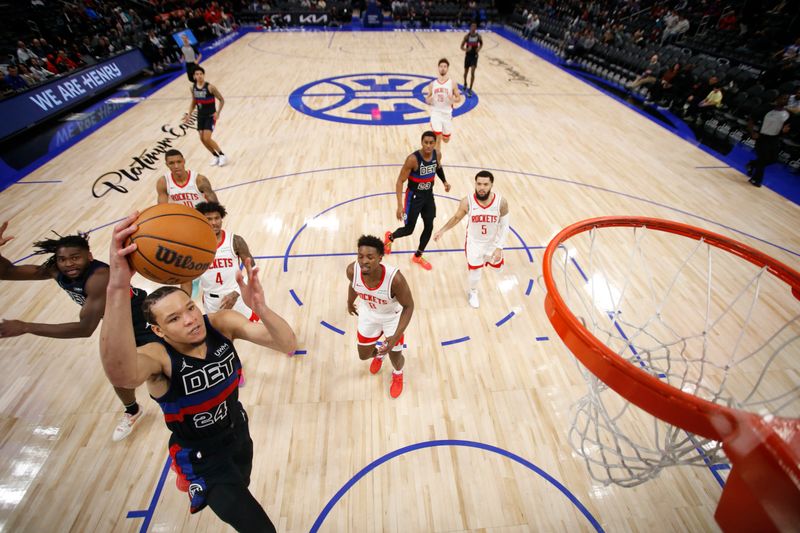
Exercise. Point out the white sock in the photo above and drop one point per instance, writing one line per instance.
(398, 372)
(380, 356)
(474, 278)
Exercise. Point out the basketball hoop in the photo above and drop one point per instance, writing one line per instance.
(708, 344)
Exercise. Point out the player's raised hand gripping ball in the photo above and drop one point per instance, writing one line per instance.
(174, 244)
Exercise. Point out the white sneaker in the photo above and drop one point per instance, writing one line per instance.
(125, 425)
(222, 160)
(473, 299)
(214, 161)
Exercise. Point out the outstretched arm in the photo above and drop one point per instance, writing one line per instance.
(402, 292)
(10, 271)
(124, 365)
(463, 207)
(88, 320)
(273, 332)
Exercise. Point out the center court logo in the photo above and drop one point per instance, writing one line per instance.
(373, 99)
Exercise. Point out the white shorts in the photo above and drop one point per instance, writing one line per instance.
(479, 255)
(441, 123)
(371, 326)
(212, 301)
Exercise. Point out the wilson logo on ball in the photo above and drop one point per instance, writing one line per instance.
(171, 257)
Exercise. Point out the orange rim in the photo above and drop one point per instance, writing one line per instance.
(674, 406)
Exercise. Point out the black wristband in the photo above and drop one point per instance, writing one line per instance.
(440, 173)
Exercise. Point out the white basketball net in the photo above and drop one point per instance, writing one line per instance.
(697, 317)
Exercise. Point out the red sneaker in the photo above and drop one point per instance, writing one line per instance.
(375, 365)
(387, 243)
(180, 481)
(421, 262)
(397, 385)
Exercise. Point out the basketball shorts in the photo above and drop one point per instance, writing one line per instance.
(223, 460)
(419, 203)
(212, 301)
(442, 123)
(479, 255)
(205, 122)
(470, 60)
(371, 326)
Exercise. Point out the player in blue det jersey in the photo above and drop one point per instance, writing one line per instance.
(84, 279)
(193, 373)
(419, 170)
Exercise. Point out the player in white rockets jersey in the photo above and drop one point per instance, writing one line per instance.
(181, 186)
(385, 306)
(487, 228)
(442, 94)
(218, 283)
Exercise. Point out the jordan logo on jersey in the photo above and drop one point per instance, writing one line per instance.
(185, 365)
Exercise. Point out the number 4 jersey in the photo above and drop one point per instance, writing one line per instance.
(220, 279)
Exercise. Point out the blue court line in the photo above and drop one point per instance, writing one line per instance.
(394, 252)
(300, 352)
(287, 255)
(34, 182)
(530, 287)
(296, 298)
(715, 166)
(541, 176)
(721, 466)
(332, 328)
(148, 513)
(504, 319)
(540, 339)
(455, 341)
(462, 443)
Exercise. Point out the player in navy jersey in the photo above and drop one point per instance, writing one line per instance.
(193, 374)
(419, 171)
(84, 279)
(471, 44)
(204, 98)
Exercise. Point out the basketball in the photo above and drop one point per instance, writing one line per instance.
(174, 244)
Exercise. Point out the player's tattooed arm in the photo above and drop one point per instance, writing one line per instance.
(213, 90)
(205, 187)
(188, 115)
(241, 249)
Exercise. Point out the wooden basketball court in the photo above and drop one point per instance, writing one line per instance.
(482, 423)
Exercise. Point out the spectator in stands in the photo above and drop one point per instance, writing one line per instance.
(38, 69)
(729, 22)
(699, 92)
(64, 63)
(661, 91)
(24, 54)
(14, 80)
(36, 48)
(649, 76)
(768, 139)
(672, 34)
(531, 26)
(25, 73)
(46, 48)
(793, 104)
